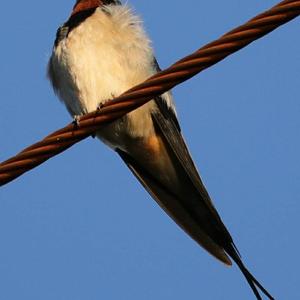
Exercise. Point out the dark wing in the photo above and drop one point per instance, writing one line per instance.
(202, 205)
(189, 205)
(180, 211)
(215, 228)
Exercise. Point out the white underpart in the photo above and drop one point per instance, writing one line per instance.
(100, 59)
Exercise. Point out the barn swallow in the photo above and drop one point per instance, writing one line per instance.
(100, 52)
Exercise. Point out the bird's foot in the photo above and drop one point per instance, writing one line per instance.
(100, 106)
(103, 102)
(76, 121)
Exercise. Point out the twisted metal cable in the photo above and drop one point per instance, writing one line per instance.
(161, 82)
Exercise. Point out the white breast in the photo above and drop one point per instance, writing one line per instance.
(101, 58)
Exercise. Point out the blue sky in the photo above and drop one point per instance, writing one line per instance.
(81, 227)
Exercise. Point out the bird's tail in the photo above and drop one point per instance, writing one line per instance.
(254, 284)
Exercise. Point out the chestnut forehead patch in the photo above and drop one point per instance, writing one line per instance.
(82, 5)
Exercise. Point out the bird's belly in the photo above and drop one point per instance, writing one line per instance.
(91, 68)
(129, 130)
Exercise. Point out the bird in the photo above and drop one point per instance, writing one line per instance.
(101, 51)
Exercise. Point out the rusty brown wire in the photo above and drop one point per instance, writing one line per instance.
(179, 72)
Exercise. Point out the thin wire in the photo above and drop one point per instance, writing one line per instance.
(161, 82)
